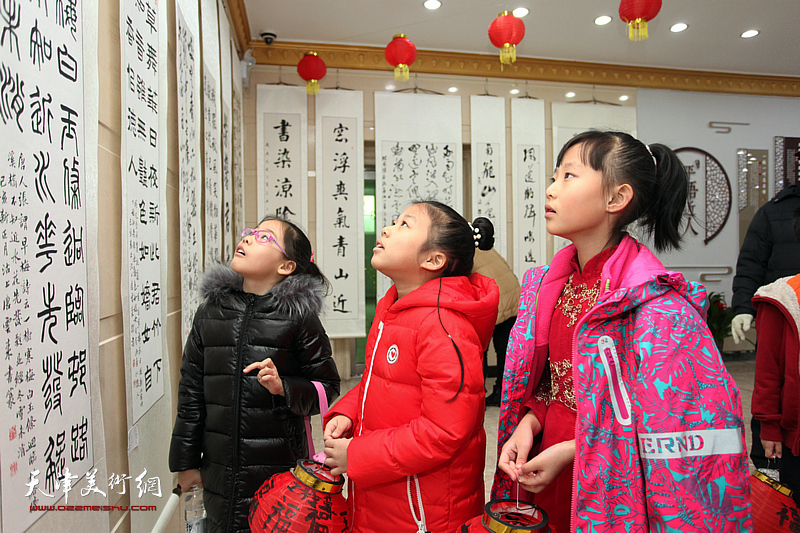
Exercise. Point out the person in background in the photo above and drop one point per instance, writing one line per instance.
(769, 251)
(776, 395)
(618, 413)
(255, 347)
(491, 264)
(410, 435)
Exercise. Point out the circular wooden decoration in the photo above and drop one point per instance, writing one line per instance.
(709, 190)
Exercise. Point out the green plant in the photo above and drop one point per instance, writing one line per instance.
(719, 317)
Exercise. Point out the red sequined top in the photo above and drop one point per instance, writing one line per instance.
(578, 296)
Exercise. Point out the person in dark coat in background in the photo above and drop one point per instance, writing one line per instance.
(255, 347)
(770, 251)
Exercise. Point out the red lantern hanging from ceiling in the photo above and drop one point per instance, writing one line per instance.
(400, 53)
(506, 32)
(312, 69)
(636, 13)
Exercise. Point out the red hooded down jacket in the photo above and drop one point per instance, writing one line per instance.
(411, 443)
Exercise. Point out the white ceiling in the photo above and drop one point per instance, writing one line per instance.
(556, 29)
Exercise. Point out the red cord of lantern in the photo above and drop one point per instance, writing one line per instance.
(312, 69)
(506, 32)
(400, 53)
(636, 14)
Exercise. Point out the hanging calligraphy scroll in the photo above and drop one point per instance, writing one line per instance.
(48, 283)
(528, 184)
(340, 209)
(488, 131)
(212, 123)
(281, 124)
(228, 238)
(143, 157)
(191, 231)
(237, 151)
(418, 155)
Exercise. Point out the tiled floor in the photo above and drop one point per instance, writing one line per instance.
(743, 372)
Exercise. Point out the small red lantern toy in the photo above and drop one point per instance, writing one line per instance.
(509, 516)
(506, 32)
(400, 53)
(312, 69)
(308, 499)
(636, 13)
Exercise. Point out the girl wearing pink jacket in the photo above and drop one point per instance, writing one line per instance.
(618, 413)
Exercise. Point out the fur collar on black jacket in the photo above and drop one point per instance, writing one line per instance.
(298, 295)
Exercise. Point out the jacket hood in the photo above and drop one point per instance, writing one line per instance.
(296, 295)
(474, 296)
(785, 292)
(633, 275)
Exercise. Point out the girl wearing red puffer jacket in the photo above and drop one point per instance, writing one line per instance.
(410, 434)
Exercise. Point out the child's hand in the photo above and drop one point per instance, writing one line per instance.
(772, 449)
(339, 426)
(189, 478)
(543, 469)
(336, 450)
(516, 450)
(267, 376)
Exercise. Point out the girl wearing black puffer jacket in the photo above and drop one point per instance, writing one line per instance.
(255, 347)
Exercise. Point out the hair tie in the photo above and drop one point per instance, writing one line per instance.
(651, 154)
(312, 256)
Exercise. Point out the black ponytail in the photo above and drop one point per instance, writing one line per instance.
(298, 249)
(663, 214)
(655, 173)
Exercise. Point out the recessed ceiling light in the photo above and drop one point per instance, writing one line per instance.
(623, 97)
(514, 91)
(520, 12)
(372, 127)
(679, 27)
(452, 89)
(390, 87)
(432, 4)
(602, 20)
(749, 33)
(570, 94)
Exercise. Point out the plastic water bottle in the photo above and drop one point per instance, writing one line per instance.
(194, 510)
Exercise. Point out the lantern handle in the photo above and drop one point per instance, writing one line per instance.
(323, 410)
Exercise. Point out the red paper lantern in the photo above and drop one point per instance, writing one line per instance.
(312, 69)
(509, 516)
(636, 13)
(306, 500)
(400, 53)
(506, 32)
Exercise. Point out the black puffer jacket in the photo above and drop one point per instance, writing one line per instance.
(770, 249)
(228, 425)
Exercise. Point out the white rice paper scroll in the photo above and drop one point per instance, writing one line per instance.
(528, 184)
(282, 173)
(340, 209)
(417, 155)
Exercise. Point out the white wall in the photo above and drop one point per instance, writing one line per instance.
(681, 119)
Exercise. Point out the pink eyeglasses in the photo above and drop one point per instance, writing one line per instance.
(262, 236)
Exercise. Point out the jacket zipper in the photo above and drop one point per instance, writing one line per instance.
(236, 410)
(581, 322)
(350, 485)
